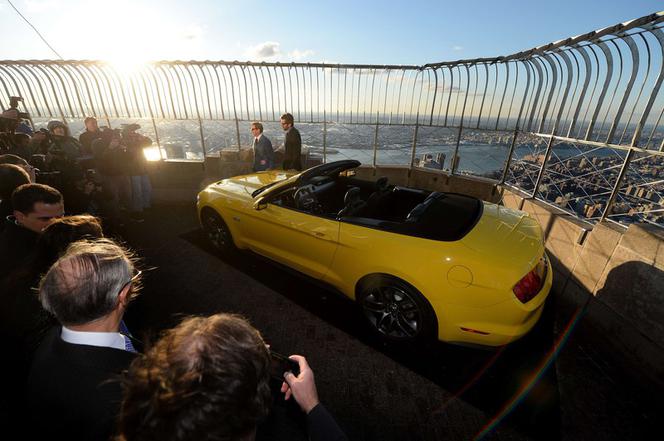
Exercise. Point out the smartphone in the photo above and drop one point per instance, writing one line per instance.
(282, 364)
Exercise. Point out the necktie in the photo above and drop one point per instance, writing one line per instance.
(126, 334)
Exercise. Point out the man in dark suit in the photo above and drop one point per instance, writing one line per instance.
(263, 153)
(73, 391)
(35, 207)
(292, 144)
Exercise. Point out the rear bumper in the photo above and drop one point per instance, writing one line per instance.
(495, 325)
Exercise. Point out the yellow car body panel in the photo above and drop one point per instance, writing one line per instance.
(467, 282)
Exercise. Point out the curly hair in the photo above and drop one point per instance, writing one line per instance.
(206, 379)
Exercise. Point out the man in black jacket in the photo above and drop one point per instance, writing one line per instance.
(292, 144)
(71, 389)
(35, 206)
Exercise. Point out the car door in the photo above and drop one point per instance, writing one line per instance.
(297, 239)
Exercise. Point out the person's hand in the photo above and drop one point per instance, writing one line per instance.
(302, 387)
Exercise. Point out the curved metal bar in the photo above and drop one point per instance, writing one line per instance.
(155, 74)
(607, 54)
(190, 87)
(119, 86)
(659, 35)
(272, 94)
(449, 96)
(202, 71)
(502, 99)
(373, 81)
(554, 83)
(57, 101)
(72, 82)
(628, 89)
(486, 86)
(643, 85)
(51, 68)
(84, 80)
(523, 103)
(290, 89)
(359, 80)
(222, 89)
(297, 100)
(474, 94)
(233, 95)
(533, 110)
(565, 91)
(182, 96)
(605, 86)
(163, 69)
(516, 83)
(99, 89)
(584, 88)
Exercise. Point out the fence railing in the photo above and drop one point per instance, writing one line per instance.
(576, 123)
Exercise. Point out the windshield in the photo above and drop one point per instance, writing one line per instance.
(272, 184)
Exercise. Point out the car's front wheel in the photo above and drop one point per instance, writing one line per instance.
(396, 310)
(217, 231)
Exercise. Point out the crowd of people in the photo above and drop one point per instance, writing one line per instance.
(101, 172)
(71, 368)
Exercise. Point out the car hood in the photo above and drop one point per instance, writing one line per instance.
(506, 234)
(247, 184)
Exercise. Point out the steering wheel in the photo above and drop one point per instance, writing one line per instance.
(306, 200)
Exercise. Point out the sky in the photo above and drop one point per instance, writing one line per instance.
(374, 32)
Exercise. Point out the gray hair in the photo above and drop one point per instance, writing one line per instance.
(84, 284)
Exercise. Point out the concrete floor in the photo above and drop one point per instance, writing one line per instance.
(555, 383)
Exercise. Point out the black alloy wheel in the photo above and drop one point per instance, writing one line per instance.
(396, 310)
(217, 231)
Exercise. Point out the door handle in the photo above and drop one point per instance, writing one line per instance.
(319, 234)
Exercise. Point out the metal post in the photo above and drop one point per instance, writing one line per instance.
(156, 136)
(616, 188)
(324, 141)
(546, 159)
(200, 129)
(509, 155)
(375, 149)
(455, 156)
(237, 130)
(412, 153)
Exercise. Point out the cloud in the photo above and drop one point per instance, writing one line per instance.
(298, 55)
(457, 48)
(264, 51)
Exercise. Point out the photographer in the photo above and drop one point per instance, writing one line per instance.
(110, 155)
(62, 156)
(8, 123)
(208, 378)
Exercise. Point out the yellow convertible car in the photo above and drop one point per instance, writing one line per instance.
(419, 263)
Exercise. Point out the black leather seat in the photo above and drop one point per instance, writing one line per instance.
(352, 203)
(377, 199)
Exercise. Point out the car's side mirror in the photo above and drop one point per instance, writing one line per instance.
(260, 204)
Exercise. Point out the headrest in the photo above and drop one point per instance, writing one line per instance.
(381, 183)
(352, 195)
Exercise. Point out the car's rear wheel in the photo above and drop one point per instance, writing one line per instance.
(217, 231)
(396, 310)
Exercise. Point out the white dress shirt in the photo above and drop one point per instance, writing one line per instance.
(101, 339)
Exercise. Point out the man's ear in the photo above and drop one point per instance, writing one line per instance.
(123, 296)
(20, 216)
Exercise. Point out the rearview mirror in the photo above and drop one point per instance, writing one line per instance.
(260, 203)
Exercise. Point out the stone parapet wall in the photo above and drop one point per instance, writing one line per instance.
(617, 273)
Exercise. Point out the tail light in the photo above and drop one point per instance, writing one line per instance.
(531, 284)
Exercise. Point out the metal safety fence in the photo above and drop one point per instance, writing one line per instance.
(576, 123)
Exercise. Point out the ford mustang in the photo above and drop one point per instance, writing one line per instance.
(419, 263)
